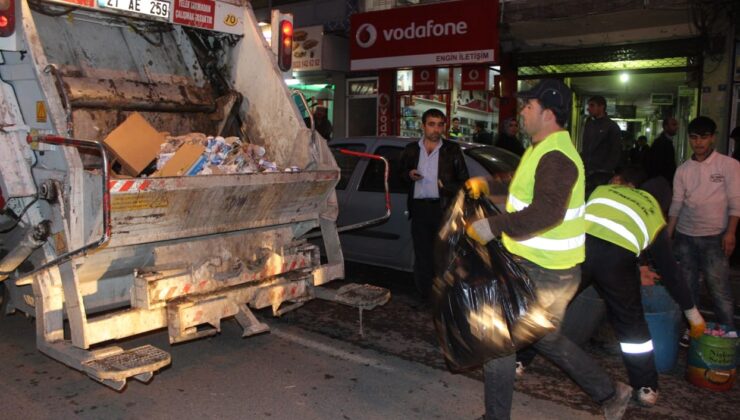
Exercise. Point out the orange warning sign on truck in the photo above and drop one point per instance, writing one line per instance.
(40, 112)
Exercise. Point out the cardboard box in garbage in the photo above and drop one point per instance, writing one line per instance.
(134, 143)
(184, 159)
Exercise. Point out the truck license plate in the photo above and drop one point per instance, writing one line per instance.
(153, 8)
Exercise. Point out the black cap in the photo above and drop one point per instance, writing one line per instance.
(552, 94)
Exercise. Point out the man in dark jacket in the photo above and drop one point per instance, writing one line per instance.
(434, 169)
(638, 153)
(323, 125)
(508, 139)
(661, 157)
(481, 135)
(602, 145)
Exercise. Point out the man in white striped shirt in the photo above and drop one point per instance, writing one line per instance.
(704, 214)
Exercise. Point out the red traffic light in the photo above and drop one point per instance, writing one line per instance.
(285, 46)
(286, 27)
(7, 17)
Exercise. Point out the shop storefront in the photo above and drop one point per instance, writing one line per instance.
(319, 65)
(642, 83)
(411, 59)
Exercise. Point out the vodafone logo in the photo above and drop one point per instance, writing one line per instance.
(384, 120)
(384, 100)
(492, 103)
(473, 74)
(366, 35)
(424, 75)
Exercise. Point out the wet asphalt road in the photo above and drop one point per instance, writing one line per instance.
(315, 365)
(289, 373)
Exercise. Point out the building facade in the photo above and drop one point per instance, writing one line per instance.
(650, 59)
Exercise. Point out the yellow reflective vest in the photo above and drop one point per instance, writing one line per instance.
(624, 216)
(562, 246)
(454, 135)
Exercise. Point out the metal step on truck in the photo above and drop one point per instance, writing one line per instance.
(97, 258)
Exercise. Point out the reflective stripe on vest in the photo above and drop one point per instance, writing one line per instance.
(614, 227)
(562, 245)
(570, 214)
(624, 216)
(629, 212)
(555, 244)
(637, 348)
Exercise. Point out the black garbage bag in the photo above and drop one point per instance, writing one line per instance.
(484, 304)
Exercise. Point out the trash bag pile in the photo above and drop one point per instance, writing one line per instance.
(484, 304)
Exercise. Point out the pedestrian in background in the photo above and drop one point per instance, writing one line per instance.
(735, 137)
(661, 158)
(481, 135)
(638, 153)
(704, 215)
(434, 170)
(455, 132)
(602, 145)
(323, 125)
(508, 138)
(544, 229)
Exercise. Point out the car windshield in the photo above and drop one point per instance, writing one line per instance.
(499, 163)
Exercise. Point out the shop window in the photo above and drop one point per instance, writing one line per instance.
(412, 107)
(347, 163)
(443, 78)
(404, 80)
(372, 179)
(362, 87)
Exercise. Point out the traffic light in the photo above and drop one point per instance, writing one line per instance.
(7, 18)
(285, 44)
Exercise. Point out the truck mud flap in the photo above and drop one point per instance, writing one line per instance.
(114, 369)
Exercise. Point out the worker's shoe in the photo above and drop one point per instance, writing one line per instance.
(615, 406)
(646, 396)
(520, 368)
(685, 339)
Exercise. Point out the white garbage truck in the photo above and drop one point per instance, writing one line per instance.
(117, 256)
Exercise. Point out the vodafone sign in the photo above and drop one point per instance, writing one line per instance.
(441, 34)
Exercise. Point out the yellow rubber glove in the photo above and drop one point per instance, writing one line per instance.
(697, 330)
(477, 187)
(696, 322)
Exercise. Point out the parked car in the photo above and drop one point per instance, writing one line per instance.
(360, 193)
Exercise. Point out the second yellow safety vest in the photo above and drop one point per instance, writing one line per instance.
(624, 216)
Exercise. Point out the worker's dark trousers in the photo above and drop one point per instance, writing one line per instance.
(613, 271)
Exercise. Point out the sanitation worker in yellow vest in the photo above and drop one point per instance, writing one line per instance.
(622, 222)
(545, 230)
